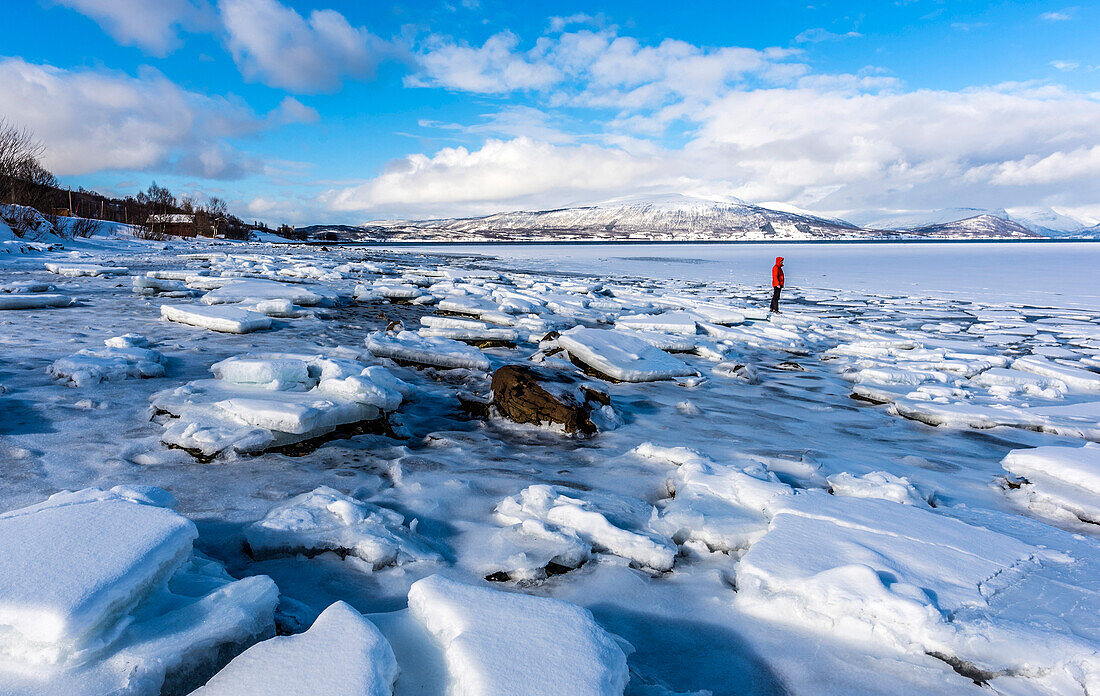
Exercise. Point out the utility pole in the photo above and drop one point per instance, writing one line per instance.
(70, 200)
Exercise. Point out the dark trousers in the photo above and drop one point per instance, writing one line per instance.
(775, 298)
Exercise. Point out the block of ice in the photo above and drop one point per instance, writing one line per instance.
(1063, 477)
(224, 319)
(506, 644)
(1075, 378)
(270, 400)
(257, 289)
(326, 520)
(74, 566)
(438, 352)
(608, 523)
(341, 654)
(621, 356)
(95, 365)
(33, 301)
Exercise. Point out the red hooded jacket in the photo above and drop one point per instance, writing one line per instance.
(777, 273)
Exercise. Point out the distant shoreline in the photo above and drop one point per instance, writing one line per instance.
(637, 242)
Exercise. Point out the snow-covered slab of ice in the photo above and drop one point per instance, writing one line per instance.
(877, 484)
(342, 654)
(261, 401)
(875, 570)
(607, 523)
(721, 505)
(327, 520)
(146, 285)
(75, 270)
(465, 330)
(72, 567)
(504, 644)
(426, 350)
(34, 301)
(94, 365)
(621, 356)
(668, 322)
(1062, 477)
(1075, 378)
(257, 289)
(223, 319)
(665, 341)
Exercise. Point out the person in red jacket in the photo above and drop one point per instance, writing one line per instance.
(777, 283)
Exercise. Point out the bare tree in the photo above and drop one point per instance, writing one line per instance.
(217, 207)
(23, 179)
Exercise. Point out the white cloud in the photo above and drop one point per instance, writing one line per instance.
(1065, 65)
(273, 44)
(290, 110)
(501, 171)
(817, 35)
(493, 67)
(152, 25)
(93, 121)
(598, 68)
(1080, 164)
(1059, 15)
(829, 149)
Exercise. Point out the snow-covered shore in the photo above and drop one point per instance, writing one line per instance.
(739, 524)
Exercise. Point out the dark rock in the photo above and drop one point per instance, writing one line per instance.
(527, 394)
(790, 365)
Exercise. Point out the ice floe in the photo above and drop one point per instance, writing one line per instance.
(327, 520)
(408, 346)
(1062, 478)
(224, 319)
(620, 356)
(122, 358)
(261, 401)
(502, 643)
(341, 654)
(102, 593)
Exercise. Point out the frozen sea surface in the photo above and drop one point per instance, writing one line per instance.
(749, 528)
(1059, 274)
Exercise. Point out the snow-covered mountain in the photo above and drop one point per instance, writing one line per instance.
(674, 216)
(1049, 222)
(913, 219)
(1045, 222)
(665, 216)
(979, 226)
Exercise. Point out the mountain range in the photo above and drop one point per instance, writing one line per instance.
(682, 217)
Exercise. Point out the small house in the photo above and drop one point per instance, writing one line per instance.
(172, 225)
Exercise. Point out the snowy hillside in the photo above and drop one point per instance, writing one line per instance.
(977, 227)
(667, 216)
(673, 216)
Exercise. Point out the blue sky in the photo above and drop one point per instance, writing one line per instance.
(348, 111)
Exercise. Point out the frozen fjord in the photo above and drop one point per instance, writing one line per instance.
(744, 526)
